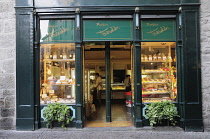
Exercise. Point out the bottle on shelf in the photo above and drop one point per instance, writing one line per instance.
(145, 58)
(51, 54)
(159, 56)
(60, 55)
(150, 57)
(71, 54)
(154, 57)
(164, 57)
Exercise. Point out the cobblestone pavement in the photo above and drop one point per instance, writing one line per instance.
(105, 133)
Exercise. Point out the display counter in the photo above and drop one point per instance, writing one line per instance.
(117, 91)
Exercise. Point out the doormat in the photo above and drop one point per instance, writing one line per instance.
(108, 124)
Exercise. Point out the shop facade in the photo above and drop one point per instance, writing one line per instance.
(60, 44)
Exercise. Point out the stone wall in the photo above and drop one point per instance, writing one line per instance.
(205, 60)
(7, 64)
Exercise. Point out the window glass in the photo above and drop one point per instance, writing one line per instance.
(57, 62)
(158, 64)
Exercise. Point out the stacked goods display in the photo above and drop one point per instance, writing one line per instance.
(57, 73)
(158, 63)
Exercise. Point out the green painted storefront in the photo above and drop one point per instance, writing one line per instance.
(86, 21)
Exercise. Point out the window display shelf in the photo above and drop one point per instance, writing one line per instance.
(151, 82)
(57, 71)
(153, 71)
(154, 100)
(154, 61)
(62, 101)
(154, 92)
(158, 73)
(64, 84)
(56, 84)
(62, 60)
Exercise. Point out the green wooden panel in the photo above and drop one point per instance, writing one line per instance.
(57, 31)
(158, 30)
(24, 70)
(192, 58)
(107, 30)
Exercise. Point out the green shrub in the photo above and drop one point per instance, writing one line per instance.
(158, 111)
(57, 112)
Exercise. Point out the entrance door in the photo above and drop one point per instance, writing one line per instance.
(111, 60)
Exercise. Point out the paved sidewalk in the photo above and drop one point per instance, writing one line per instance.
(105, 133)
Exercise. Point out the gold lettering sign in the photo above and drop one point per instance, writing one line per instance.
(58, 32)
(159, 30)
(107, 30)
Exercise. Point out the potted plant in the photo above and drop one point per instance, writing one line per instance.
(57, 112)
(158, 111)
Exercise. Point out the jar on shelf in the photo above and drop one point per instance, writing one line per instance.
(154, 57)
(150, 57)
(145, 58)
(159, 56)
(164, 57)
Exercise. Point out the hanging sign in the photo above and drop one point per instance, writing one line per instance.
(107, 30)
(59, 31)
(158, 30)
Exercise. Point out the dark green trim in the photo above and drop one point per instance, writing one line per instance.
(191, 104)
(108, 82)
(60, 3)
(37, 72)
(24, 70)
(137, 74)
(180, 71)
(79, 75)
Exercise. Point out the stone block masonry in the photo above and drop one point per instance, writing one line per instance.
(7, 64)
(205, 60)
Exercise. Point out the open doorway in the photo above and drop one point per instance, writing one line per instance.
(96, 105)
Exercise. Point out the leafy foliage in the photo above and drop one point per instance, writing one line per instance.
(57, 112)
(161, 110)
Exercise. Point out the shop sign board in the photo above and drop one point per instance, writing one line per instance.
(58, 31)
(107, 30)
(158, 30)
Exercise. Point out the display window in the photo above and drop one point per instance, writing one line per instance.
(57, 62)
(158, 68)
